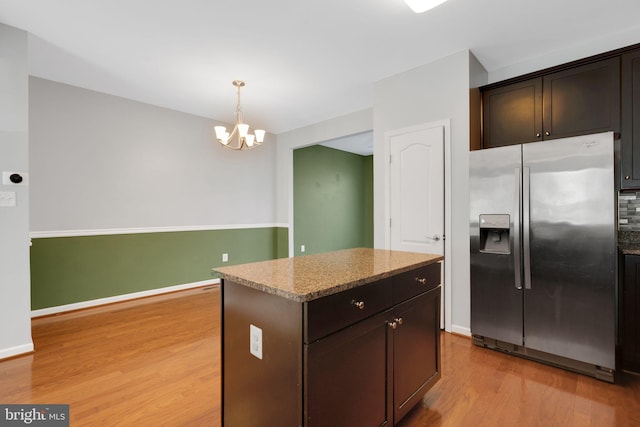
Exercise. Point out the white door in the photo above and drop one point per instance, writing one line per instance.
(417, 192)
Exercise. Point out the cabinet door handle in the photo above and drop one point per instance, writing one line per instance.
(398, 320)
(393, 325)
(421, 280)
(547, 133)
(358, 304)
(627, 177)
(538, 135)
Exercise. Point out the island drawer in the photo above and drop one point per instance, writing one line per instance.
(326, 315)
(414, 282)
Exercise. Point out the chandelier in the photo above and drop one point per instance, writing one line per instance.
(245, 140)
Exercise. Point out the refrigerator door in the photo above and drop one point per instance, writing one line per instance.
(496, 281)
(569, 309)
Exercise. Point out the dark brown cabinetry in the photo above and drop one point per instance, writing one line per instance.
(576, 101)
(582, 100)
(512, 114)
(630, 314)
(362, 357)
(630, 135)
(384, 365)
(347, 377)
(416, 362)
(374, 371)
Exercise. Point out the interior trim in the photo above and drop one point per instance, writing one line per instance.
(140, 230)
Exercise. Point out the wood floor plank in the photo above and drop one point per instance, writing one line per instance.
(156, 362)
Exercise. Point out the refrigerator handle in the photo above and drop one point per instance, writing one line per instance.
(517, 262)
(526, 229)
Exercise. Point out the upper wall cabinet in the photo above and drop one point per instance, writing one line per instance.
(582, 100)
(512, 114)
(575, 101)
(630, 136)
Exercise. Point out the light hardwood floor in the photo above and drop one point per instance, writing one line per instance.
(156, 362)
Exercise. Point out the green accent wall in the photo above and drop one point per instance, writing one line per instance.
(333, 200)
(66, 270)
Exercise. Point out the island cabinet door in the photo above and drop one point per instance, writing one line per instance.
(347, 377)
(416, 344)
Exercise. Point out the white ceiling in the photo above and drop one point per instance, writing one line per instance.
(361, 143)
(304, 61)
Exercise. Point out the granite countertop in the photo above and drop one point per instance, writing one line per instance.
(629, 242)
(305, 278)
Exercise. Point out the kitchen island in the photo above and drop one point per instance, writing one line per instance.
(346, 338)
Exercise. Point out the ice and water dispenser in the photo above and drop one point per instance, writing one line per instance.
(494, 233)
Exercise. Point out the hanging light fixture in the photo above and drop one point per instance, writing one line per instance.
(419, 6)
(245, 140)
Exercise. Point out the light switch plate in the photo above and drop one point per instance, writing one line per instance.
(255, 341)
(7, 199)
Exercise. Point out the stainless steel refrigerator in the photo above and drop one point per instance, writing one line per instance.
(543, 252)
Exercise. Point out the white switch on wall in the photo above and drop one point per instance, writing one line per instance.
(7, 199)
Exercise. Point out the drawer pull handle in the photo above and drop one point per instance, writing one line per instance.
(393, 325)
(358, 304)
(421, 280)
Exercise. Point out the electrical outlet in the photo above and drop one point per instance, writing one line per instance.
(302, 248)
(7, 199)
(225, 257)
(255, 341)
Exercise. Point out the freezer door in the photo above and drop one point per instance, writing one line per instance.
(569, 309)
(496, 281)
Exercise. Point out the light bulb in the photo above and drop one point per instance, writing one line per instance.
(220, 132)
(243, 129)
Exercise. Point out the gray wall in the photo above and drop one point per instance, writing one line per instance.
(101, 162)
(15, 318)
(431, 93)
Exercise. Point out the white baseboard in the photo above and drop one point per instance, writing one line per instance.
(16, 351)
(461, 330)
(118, 298)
